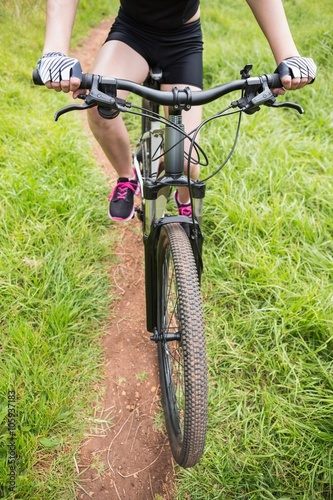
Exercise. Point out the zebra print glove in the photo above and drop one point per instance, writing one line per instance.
(55, 67)
(297, 67)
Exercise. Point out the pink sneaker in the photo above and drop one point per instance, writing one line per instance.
(183, 209)
(121, 199)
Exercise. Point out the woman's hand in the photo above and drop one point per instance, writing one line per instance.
(296, 72)
(60, 72)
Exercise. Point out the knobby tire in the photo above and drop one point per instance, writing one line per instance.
(182, 362)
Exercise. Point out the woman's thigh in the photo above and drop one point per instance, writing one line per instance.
(118, 60)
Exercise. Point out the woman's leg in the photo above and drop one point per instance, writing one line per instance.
(121, 61)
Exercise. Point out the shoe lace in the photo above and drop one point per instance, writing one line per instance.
(120, 191)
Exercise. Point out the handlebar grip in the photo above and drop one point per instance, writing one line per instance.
(86, 81)
(275, 81)
(283, 69)
(36, 77)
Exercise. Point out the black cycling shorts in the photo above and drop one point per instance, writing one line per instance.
(176, 51)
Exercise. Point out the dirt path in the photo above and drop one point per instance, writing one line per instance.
(126, 456)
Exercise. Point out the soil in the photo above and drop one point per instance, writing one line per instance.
(126, 455)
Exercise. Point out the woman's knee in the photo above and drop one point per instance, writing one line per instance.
(98, 122)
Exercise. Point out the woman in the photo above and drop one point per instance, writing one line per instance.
(163, 33)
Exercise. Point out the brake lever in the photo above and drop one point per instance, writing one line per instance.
(108, 104)
(251, 103)
(72, 107)
(286, 104)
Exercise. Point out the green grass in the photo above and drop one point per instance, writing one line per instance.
(54, 257)
(268, 276)
(268, 269)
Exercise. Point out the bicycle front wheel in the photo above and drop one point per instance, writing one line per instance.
(181, 346)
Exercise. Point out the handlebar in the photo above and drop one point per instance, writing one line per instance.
(103, 93)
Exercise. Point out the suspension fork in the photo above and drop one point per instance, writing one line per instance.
(150, 248)
(155, 197)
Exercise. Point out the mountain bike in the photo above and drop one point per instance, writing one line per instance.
(173, 243)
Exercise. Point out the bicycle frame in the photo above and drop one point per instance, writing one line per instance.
(156, 189)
